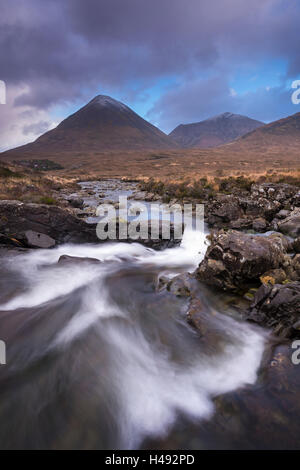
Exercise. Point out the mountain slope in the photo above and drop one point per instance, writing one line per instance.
(214, 131)
(103, 124)
(282, 133)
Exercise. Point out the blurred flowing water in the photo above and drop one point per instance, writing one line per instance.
(97, 358)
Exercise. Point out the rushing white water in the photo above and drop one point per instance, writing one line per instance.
(146, 364)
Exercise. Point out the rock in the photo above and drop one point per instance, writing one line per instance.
(17, 218)
(76, 202)
(280, 192)
(296, 200)
(282, 242)
(4, 240)
(259, 224)
(261, 207)
(291, 225)
(274, 276)
(180, 285)
(296, 245)
(241, 224)
(296, 264)
(234, 259)
(66, 259)
(38, 240)
(223, 210)
(283, 214)
(162, 283)
(277, 307)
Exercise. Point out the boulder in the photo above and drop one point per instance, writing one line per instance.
(62, 226)
(17, 218)
(223, 210)
(235, 259)
(291, 224)
(277, 307)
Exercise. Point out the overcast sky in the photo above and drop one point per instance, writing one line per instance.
(172, 61)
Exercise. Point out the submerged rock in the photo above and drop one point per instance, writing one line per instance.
(66, 259)
(181, 285)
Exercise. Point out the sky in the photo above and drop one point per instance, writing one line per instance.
(172, 61)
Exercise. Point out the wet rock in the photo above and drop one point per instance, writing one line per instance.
(180, 285)
(17, 218)
(162, 283)
(277, 307)
(66, 259)
(234, 259)
(291, 225)
(38, 240)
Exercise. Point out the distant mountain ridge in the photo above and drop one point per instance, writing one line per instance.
(284, 133)
(214, 131)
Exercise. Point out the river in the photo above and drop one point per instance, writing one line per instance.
(98, 358)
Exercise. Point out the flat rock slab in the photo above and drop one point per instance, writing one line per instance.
(66, 259)
(38, 240)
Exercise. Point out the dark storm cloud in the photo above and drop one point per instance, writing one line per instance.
(205, 98)
(65, 49)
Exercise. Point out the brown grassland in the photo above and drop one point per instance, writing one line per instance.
(174, 165)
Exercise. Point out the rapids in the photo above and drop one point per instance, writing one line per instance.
(97, 358)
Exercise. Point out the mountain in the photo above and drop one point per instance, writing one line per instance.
(103, 124)
(214, 131)
(282, 133)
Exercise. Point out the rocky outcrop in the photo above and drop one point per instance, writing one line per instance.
(44, 226)
(20, 221)
(265, 207)
(236, 259)
(278, 307)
